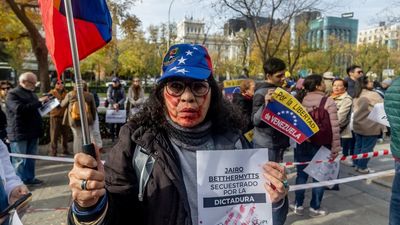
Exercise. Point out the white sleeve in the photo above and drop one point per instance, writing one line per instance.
(10, 179)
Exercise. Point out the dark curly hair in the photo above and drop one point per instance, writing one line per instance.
(310, 84)
(221, 112)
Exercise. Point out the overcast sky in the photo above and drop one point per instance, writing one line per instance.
(368, 12)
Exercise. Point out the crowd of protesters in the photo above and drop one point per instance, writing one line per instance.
(347, 102)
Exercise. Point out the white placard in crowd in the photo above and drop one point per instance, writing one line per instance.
(113, 116)
(378, 114)
(15, 219)
(48, 106)
(230, 187)
(323, 171)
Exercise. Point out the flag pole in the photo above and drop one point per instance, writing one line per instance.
(87, 147)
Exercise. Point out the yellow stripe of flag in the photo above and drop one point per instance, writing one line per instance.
(291, 102)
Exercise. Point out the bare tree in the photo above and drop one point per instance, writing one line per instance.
(268, 33)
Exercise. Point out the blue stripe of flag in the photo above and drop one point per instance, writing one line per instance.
(276, 107)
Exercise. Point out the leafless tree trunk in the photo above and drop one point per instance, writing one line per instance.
(37, 41)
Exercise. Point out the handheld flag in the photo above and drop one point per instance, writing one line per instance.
(231, 87)
(288, 116)
(92, 22)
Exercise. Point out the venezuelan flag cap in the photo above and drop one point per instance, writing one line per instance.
(186, 61)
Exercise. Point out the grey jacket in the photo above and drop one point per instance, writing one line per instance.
(265, 135)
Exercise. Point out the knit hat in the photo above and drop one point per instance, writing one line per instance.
(387, 81)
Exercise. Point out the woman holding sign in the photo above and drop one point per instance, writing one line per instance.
(150, 176)
(313, 98)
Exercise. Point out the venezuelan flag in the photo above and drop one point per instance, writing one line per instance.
(288, 116)
(92, 22)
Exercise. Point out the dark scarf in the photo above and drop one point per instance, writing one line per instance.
(189, 138)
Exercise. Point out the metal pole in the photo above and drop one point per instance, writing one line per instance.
(78, 77)
(169, 24)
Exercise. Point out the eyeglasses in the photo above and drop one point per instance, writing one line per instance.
(60, 83)
(5, 88)
(136, 81)
(198, 88)
(31, 82)
(359, 72)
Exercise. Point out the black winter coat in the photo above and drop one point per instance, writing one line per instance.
(24, 120)
(165, 199)
(246, 106)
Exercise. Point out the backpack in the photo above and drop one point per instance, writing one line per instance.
(321, 118)
(76, 114)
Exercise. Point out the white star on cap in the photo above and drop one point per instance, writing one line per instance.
(182, 71)
(173, 68)
(181, 61)
(188, 52)
(195, 48)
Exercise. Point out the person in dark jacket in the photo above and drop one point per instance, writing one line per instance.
(354, 72)
(116, 101)
(24, 125)
(266, 136)
(185, 112)
(244, 100)
(5, 87)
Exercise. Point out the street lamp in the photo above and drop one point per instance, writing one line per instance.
(169, 24)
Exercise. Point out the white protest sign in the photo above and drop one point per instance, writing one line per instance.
(323, 171)
(113, 116)
(378, 115)
(15, 219)
(230, 187)
(48, 106)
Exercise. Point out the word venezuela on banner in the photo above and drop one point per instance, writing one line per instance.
(287, 115)
(92, 22)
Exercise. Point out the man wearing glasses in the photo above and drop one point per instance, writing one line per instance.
(354, 72)
(24, 125)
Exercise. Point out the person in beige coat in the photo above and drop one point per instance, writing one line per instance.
(57, 129)
(310, 97)
(75, 125)
(366, 131)
(344, 104)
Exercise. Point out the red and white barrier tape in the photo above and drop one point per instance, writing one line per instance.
(340, 181)
(343, 158)
(42, 157)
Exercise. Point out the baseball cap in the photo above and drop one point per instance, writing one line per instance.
(115, 79)
(186, 61)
